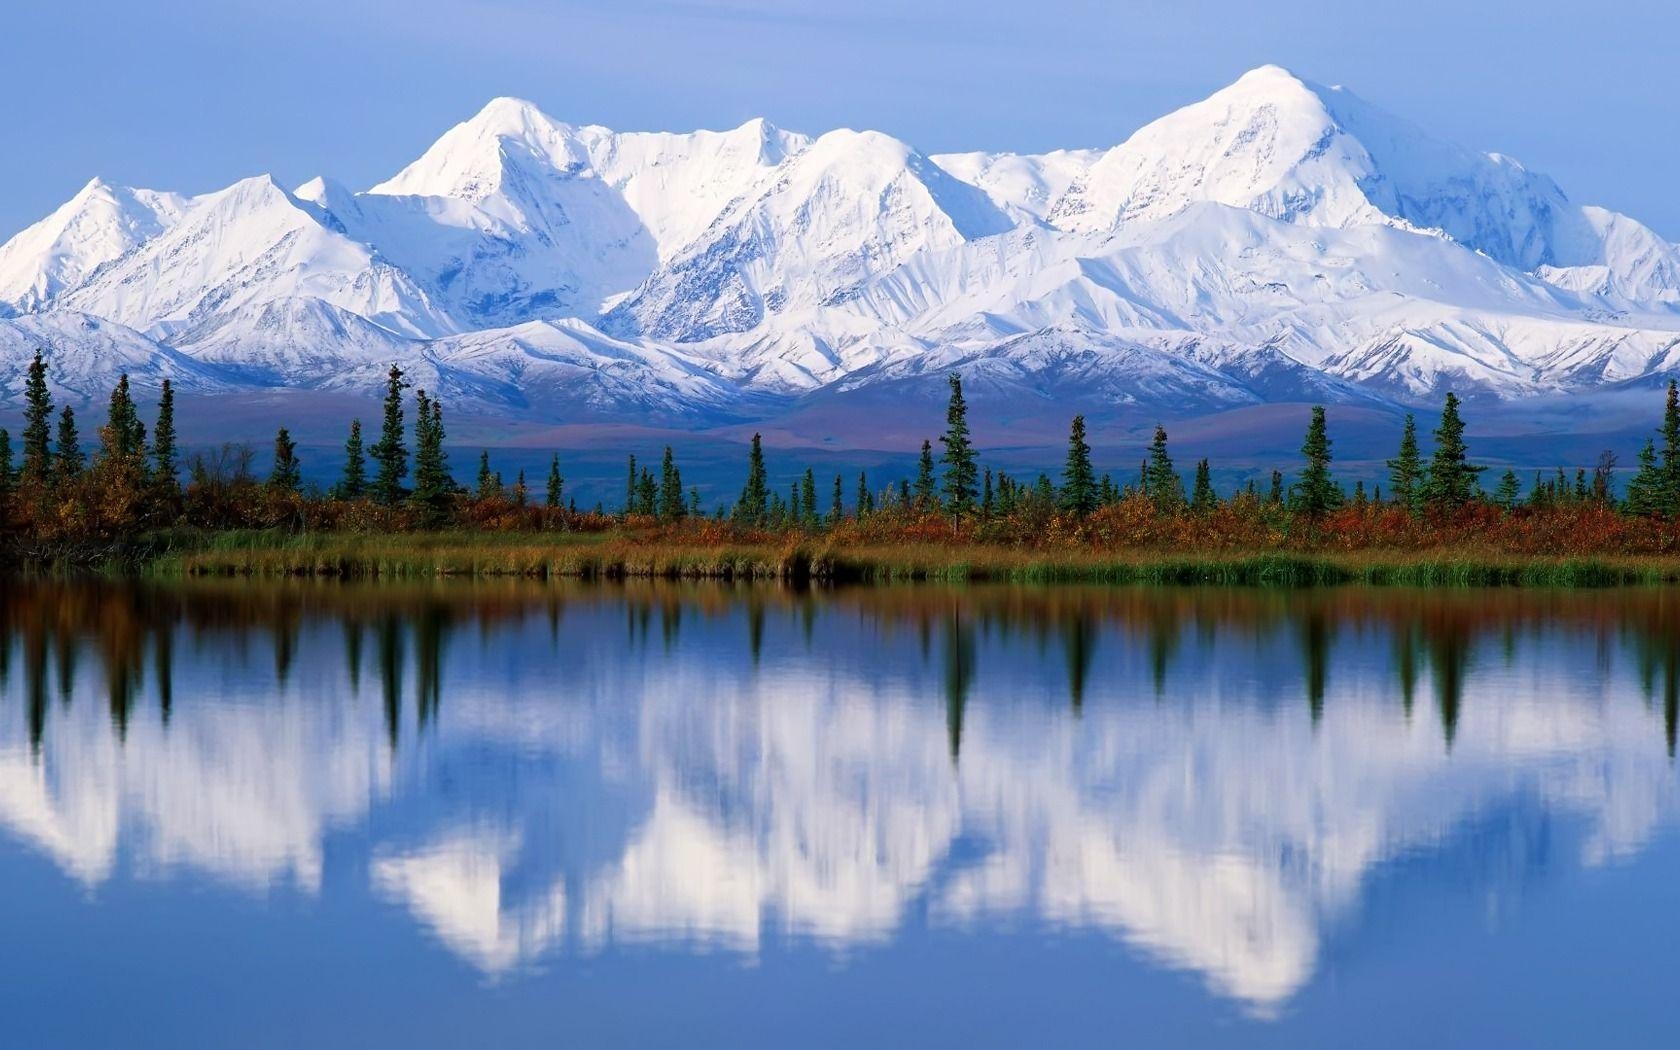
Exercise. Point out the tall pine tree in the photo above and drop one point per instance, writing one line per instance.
(1671, 451)
(353, 484)
(1451, 482)
(961, 474)
(1079, 480)
(37, 424)
(925, 498)
(753, 508)
(1405, 471)
(556, 490)
(390, 454)
(433, 487)
(1647, 490)
(1202, 498)
(165, 469)
(1161, 482)
(1316, 493)
(288, 472)
(68, 458)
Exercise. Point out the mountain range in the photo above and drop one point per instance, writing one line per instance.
(1277, 241)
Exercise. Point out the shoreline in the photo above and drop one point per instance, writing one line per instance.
(819, 559)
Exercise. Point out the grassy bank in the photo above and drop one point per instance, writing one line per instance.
(621, 555)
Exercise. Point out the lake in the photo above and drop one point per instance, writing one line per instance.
(485, 814)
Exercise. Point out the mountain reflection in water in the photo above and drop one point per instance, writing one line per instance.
(1219, 779)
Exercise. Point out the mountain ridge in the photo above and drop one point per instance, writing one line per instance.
(1277, 239)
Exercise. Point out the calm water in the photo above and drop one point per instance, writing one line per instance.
(470, 815)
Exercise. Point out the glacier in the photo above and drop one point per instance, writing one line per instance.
(1279, 241)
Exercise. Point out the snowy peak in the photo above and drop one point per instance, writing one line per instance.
(1266, 143)
(250, 242)
(99, 224)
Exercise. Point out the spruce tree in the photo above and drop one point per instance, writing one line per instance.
(1203, 500)
(647, 494)
(1161, 482)
(1274, 495)
(556, 484)
(1647, 490)
(630, 478)
(487, 486)
(988, 496)
(1509, 491)
(808, 498)
(353, 485)
(390, 455)
(37, 424)
(671, 506)
(1451, 482)
(288, 472)
(864, 500)
(68, 459)
(521, 493)
(1405, 470)
(837, 507)
(8, 480)
(123, 437)
(1671, 450)
(1316, 493)
(924, 479)
(1079, 484)
(432, 484)
(961, 474)
(164, 465)
(753, 508)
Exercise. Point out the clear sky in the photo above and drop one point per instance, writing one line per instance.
(192, 94)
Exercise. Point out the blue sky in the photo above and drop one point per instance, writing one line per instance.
(192, 94)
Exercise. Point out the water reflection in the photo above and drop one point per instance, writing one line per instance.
(1219, 779)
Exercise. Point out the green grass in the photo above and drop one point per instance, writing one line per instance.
(617, 556)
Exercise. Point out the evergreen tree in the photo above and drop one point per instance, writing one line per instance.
(1316, 493)
(808, 498)
(1671, 450)
(521, 494)
(837, 508)
(1451, 482)
(164, 465)
(924, 479)
(8, 480)
(670, 489)
(37, 424)
(754, 505)
(865, 502)
(288, 472)
(1647, 489)
(1161, 482)
(556, 484)
(489, 487)
(433, 486)
(1509, 491)
(1203, 500)
(1079, 484)
(390, 455)
(69, 459)
(647, 494)
(961, 474)
(123, 437)
(1405, 470)
(630, 488)
(1275, 495)
(353, 485)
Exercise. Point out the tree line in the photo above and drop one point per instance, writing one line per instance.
(135, 481)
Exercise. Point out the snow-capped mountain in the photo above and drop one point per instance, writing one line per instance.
(1275, 241)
